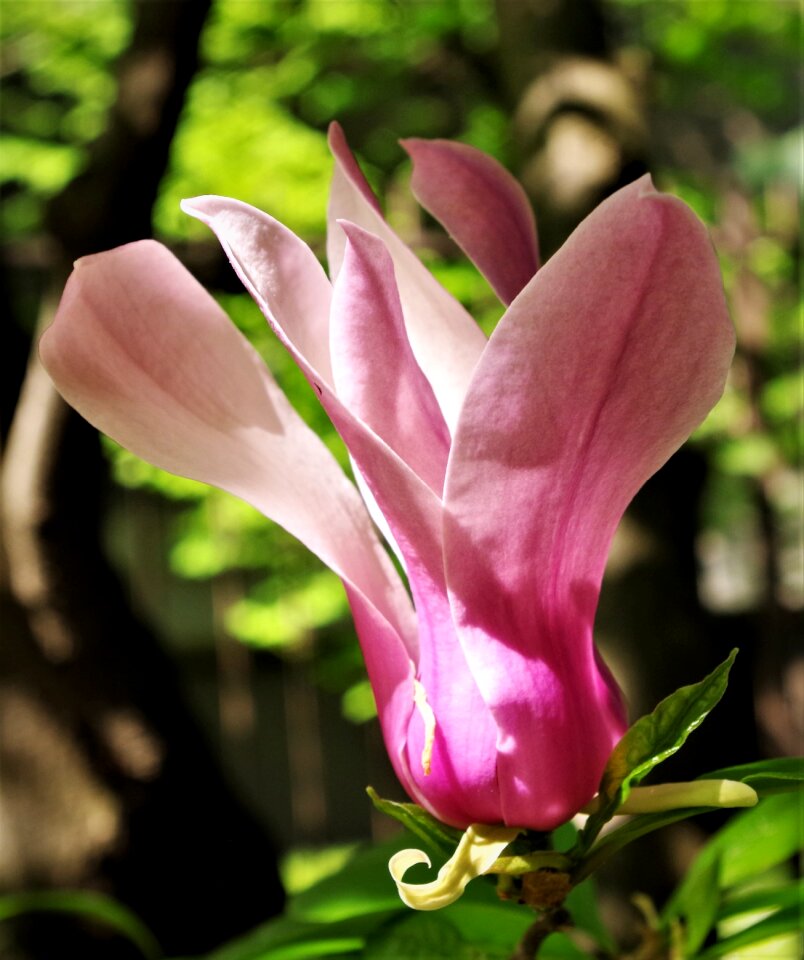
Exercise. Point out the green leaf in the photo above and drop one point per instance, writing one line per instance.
(486, 922)
(94, 906)
(652, 739)
(359, 905)
(431, 936)
(758, 839)
(750, 844)
(417, 937)
(438, 836)
(765, 776)
(765, 899)
(363, 886)
(288, 939)
(635, 828)
(303, 867)
(779, 923)
(561, 947)
(702, 900)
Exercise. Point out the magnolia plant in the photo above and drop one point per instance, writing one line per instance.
(495, 469)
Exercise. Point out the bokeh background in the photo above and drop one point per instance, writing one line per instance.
(183, 701)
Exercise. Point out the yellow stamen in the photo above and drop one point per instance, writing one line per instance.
(429, 720)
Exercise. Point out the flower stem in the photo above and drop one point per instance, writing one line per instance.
(550, 922)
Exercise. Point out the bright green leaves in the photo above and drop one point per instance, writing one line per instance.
(739, 883)
(356, 913)
(756, 840)
(652, 739)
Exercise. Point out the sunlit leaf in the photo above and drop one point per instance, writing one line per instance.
(701, 901)
(759, 838)
(784, 921)
(483, 920)
(303, 867)
(290, 618)
(358, 704)
(750, 844)
(765, 899)
(362, 887)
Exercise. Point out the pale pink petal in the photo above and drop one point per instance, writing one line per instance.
(599, 370)
(375, 373)
(271, 258)
(145, 354)
(484, 209)
(259, 250)
(444, 338)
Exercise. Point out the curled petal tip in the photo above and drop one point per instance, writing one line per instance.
(409, 144)
(647, 184)
(198, 207)
(352, 229)
(479, 848)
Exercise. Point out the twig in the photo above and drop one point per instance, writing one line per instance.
(550, 922)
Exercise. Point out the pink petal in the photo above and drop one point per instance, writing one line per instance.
(145, 354)
(376, 375)
(445, 340)
(346, 166)
(484, 209)
(390, 671)
(413, 512)
(597, 373)
(461, 785)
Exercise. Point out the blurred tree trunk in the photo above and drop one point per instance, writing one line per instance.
(578, 118)
(107, 784)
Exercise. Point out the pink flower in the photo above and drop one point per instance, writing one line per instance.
(499, 468)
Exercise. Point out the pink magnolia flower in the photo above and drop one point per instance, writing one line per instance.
(499, 469)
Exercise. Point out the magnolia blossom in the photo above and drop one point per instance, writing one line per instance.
(497, 469)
